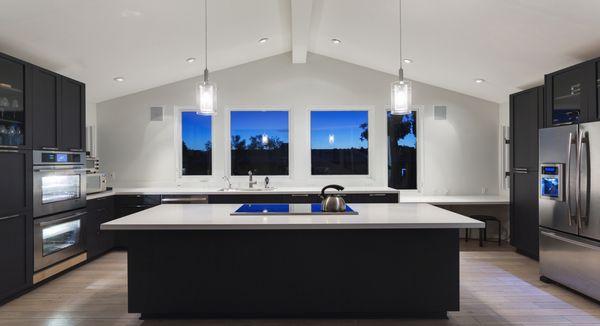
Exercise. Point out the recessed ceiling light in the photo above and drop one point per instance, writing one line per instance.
(479, 80)
(119, 79)
(263, 40)
(130, 13)
(190, 60)
(407, 60)
(336, 41)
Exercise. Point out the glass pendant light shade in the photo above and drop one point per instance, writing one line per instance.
(206, 96)
(401, 92)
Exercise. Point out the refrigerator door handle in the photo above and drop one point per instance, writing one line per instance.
(572, 141)
(580, 142)
(583, 207)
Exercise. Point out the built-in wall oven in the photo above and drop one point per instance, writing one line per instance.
(57, 237)
(59, 182)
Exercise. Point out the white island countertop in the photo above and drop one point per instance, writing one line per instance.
(218, 217)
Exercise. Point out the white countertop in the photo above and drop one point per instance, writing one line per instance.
(215, 191)
(455, 199)
(217, 217)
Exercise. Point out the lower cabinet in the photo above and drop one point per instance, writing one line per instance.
(100, 211)
(301, 198)
(16, 253)
(129, 204)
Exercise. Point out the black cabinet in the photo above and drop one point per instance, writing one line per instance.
(570, 95)
(98, 241)
(14, 111)
(44, 92)
(526, 117)
(524, 222)
(16, 185)
(130, 204)
(58, 106)
(72, 115)
(596, 94)
(300, 198)
(16, 253)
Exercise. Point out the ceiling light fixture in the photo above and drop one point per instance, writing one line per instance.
(407, 60)
(263, 40)
(190, 60)
(479, 80)
(206, 92)
(119, 79)
(401, 90)
(336, 41)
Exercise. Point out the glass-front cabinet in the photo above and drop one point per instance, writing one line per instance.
(12, 105)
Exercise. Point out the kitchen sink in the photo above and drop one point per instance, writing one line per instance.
(258, 189)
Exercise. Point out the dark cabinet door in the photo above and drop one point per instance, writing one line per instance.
(16, 185)
(99, 241)
(567, 95)
(13, 119)
(524, 221)
(524, 119)
(596, 97)
(72, 115)
(45, 107)
(16, 250)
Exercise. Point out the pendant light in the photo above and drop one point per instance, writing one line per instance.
(206, 93)
(401, 90)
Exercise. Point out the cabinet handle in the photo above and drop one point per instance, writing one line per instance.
(50, 148)
(8, 146)
(8, 151)
(376, 195)
(9, 217)
(76, 150)
(299, 195)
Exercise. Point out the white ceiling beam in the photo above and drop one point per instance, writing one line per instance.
(301, 15)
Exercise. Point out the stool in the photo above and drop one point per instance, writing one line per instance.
(483, 232)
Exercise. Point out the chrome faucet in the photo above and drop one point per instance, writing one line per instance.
(267, 182)
(226, 178)
(250, 182)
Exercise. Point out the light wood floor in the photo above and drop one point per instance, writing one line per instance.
(497, 288)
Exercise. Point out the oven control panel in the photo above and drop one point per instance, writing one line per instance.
(552, 181)
(58, 158)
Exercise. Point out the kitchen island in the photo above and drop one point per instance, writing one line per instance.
(389, 260)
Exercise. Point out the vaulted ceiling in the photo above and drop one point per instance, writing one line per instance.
(509, 43)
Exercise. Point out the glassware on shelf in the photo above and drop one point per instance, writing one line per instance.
(12, 131)
(3, 135)
(4, 105)
(16, 108)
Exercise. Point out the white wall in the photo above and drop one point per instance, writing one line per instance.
(459, 155)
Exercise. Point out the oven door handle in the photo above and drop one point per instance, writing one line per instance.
(62, 219)
(59, 169)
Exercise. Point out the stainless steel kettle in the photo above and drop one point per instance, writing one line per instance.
(333, 202)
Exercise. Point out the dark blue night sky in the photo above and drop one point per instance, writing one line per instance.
(195, 130)
(251, 123)
(337, 129)
(409, 140)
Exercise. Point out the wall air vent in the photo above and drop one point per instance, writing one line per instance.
(156, 113)
(439, 112)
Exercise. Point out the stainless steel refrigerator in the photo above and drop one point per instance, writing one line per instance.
(569, 206)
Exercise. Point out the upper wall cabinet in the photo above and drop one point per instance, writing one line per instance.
(58, 105)
(14, 113)
(571, 95)
(72, 115)
(44, 102)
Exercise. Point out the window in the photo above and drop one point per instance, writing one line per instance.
(402, 151)
(259, 142)
(196, 138)
(339, 142)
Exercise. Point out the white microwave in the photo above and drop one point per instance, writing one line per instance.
(95, 182)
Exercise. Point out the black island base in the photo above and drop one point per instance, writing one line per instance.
(331, 273)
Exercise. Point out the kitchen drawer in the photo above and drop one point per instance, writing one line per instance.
(105, 204)
(304, 198)
(137, 200)
(372, 198)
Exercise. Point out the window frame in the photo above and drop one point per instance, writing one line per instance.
(420, 109)
(227, 131)
(370, 117)
(177, 111)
